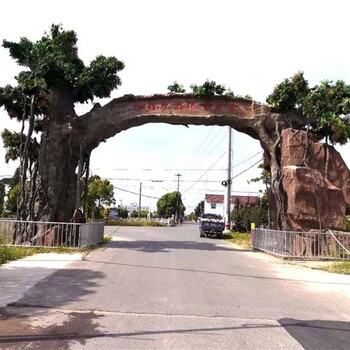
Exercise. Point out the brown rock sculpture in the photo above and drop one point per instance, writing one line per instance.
(316, 182)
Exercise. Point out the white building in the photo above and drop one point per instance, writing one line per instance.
(215, 203)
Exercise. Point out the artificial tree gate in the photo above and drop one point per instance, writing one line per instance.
(69, 140)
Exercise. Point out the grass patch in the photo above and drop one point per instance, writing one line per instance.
(136, 222)
(8, 253)
(239, 238)
(14, 253)
(337, 267)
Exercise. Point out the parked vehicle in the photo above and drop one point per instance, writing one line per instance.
(211, 224)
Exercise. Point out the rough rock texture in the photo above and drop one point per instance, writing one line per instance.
(317, 193)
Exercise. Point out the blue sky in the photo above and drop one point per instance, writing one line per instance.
(249, 46)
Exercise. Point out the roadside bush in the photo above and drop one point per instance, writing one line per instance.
(119, 222)
(245, 214)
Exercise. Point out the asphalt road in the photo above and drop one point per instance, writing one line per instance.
(167, 288)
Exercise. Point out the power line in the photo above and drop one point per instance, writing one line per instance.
(195, 153)
(198, 169)
(204, 149)
(250, 192)
(146, 180)
(194, 182)
(246, 160)
(175, 169)
(142, 195)
(204, 173)
(231, 177)
(246, 169)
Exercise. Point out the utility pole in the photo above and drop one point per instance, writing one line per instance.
(139, 214)
(150, 199)
(228, 187)
(177, 198)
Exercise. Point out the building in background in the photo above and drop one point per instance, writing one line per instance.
(214, 203)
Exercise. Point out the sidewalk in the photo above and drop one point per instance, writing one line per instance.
(17, 277)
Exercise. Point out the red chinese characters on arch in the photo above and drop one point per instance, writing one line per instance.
(221, 108)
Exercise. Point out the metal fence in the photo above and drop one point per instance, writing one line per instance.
(50, 234)
(303, 245)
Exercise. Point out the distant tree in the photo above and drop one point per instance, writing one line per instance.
(199, 209)
(135, 214)
(265, 178)
(122, 212)
(100, 194)
(12, 196)
(193, 217)
(2, 197)
(170, 204)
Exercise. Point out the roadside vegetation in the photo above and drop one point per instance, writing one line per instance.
(240, 238)
(337, 267)
(9, 253)
(134, 222)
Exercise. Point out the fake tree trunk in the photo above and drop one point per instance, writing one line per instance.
(66, 137)
(58, 160)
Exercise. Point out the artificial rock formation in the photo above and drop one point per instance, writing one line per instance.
(316, 181)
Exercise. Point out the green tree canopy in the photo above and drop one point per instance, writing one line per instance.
(53, 80)
(11, 203)
(244, 214)
(2, 197)
(199, 209)
(122, 212)
(12, 142)
(100, 194)
(326, 106)
(53, 62)
(12, 196)
(265, 177)
(175, 87)
(208, 88)
(170, 204)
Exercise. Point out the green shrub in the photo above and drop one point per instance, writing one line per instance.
(136, 222)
